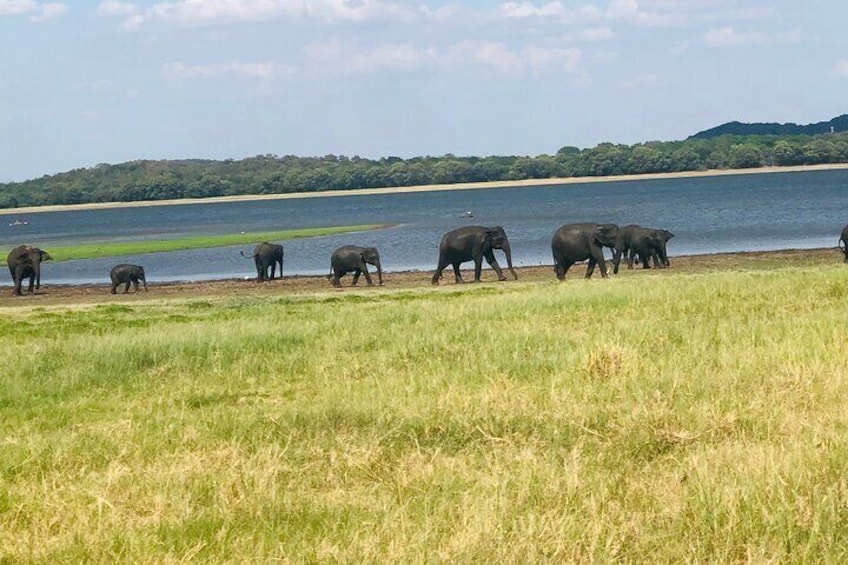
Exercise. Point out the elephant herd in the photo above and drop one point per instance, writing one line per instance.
(570, 244)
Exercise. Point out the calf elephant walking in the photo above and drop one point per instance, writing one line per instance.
(129, 274)
(473, 243)
(354, 259)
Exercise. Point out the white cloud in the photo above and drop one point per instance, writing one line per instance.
(38, 11)
(48, 11)
(350, 58)
(216, 12)
(591, 34)
(528, 10)
(256, 70)
(118, 9)
(727, 36)
(508, 61)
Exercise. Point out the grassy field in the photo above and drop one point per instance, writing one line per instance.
(112, 248)
(687, 418)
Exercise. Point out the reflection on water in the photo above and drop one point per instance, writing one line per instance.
(708, 215)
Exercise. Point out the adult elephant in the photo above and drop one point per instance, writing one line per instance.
(129, 274)
(266, 256)
(25, 261)
(843, 242)
(578, 242)
(473, 243)
(354, 259)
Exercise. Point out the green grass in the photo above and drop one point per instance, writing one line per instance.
(669, 419)
(116, 248)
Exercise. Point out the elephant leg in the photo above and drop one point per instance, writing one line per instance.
(457, 276)
(591, 268)
(559, 270)
(490, 259)
(441, 267)
(135, 285)
(356, 274)
(478, 268)
(616, 260)
(114, 288)
(127, 287)
(337, 275)
(630, 258)
(562, 269)
(367, 275)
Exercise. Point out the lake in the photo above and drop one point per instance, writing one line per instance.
(750, 212)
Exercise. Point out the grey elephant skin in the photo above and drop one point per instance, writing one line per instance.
(129, 275)
(354, 259)
(25, 261)
(572, 243)
(473, 243)
(266, 256)
(843, 243)
(646, 243)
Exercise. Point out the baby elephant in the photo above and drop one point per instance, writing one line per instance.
(129, 274)
(354, 259)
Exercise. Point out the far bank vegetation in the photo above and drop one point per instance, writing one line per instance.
(271, 174)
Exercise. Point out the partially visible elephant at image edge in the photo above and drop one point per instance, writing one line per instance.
(843, 243)
(25, 261)
(354, 259)
(473, 243)
(129, 274)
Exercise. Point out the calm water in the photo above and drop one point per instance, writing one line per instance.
(708, 215)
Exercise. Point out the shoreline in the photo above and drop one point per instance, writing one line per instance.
(421, 188)
(294, 285)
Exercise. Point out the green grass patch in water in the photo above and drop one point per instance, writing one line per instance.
(100, 249)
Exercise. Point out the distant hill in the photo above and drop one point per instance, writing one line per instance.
(839, 124)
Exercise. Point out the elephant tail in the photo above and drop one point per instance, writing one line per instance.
(251, 256)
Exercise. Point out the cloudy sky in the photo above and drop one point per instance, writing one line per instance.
(88, 82)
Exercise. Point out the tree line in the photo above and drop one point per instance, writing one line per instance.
(270, 174)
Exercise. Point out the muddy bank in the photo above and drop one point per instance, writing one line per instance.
(97, 293)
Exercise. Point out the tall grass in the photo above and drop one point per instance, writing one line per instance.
(697, 418)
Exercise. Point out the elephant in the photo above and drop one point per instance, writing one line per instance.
(647, 243)
(25, 261)
(473, 243)
(129, 274)
(354, 259)
(266, 256)
(577, 242)
(843, 243)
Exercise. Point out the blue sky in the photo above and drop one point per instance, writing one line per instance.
(88, 82)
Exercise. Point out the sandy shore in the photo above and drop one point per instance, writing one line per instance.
(425, 188)
(291, 285)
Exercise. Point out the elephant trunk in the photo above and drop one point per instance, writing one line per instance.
(508, 252)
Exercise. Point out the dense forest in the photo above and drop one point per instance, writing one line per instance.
(270, 174)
